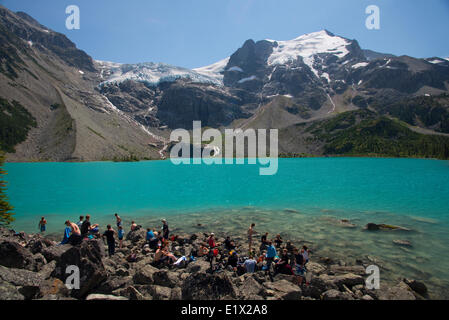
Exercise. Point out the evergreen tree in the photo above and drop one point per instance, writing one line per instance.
(6, 214)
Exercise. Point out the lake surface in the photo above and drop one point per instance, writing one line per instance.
(304, 201)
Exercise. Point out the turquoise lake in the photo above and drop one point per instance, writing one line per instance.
(304, 201)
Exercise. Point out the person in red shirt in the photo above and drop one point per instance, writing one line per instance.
(211, 241)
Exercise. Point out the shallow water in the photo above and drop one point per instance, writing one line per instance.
(305, 201)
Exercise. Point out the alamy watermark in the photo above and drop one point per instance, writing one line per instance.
(191, 149)
(73, 280)
(372, 22)
(73, 21)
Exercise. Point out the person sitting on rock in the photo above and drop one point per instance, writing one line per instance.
(250, 264)
(270, 256)
(233, 261)
(203, 251)
(305, 254)
(87, 227)
(75, 236)
(133, 226)
(229, 244)
(283, 266)
(278, 241)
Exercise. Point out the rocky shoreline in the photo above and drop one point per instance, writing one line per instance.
(33, 267)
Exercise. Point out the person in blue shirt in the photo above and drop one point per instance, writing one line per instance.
(150, 235)
(271, 254)
(121, 234)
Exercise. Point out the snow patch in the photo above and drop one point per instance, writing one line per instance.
(247, 79)
(81, 72)
(214, 71)
(360, 65)
(235, 68)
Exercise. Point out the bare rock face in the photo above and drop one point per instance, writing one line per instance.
(204, 286)
(399, 292)
(284, 290)
(87, 257)
(9, 292)
(13, 255)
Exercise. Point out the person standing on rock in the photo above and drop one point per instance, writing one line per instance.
(299, 270)
(165, 230)
(121, 234)
(109, 234)
(250, 236)
(80, 223)
(271, 254)
(42, 225)
(118, 220)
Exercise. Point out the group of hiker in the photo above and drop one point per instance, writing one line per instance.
(221, 256)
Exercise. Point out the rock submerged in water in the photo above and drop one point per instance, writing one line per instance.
(404, 243)
(375, 227)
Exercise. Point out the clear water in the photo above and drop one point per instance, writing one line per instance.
(304, 201)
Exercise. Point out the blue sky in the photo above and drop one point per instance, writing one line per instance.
(193, 33)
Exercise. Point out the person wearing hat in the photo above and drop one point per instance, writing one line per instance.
(211, 241)
(165, 230)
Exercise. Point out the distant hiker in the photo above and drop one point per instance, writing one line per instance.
(75, 236)
(80, 223)
(118, 220)
(109, 234)
(42, 225)
(250, 264)
(278, 241)
(133, 226)
(121, 234)
(305, 254)
(211, 241)
(250, 236)
(165, 230)
(271, 254)
(299, 268)
(263, 242)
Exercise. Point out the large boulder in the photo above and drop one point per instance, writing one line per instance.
(399, 292)
(13, 255)
(87, 257)
(198, 266)
(27, 282)
(145, 275)
(336, 295)
(114, 283)
(417, 286)
(250, 289)
(136, 235)
(165, 278)
(284, 290)
(104, 297)
(9, 292)
(205, 286)
(55, 252)
(160, 293)
(349, 280)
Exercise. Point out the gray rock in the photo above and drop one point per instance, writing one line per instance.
(145, 275)
(9, 292)
(348, 280)
(160, 293)
(285, 290)
(88, 258)
(399, 292)
(336, 295)
(13, 255)
(205, 286)
(105, 297)
(55, 252)
(250, 289)
(417, 286)
(165, 278)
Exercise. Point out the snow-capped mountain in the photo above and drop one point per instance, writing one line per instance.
(154, 73)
